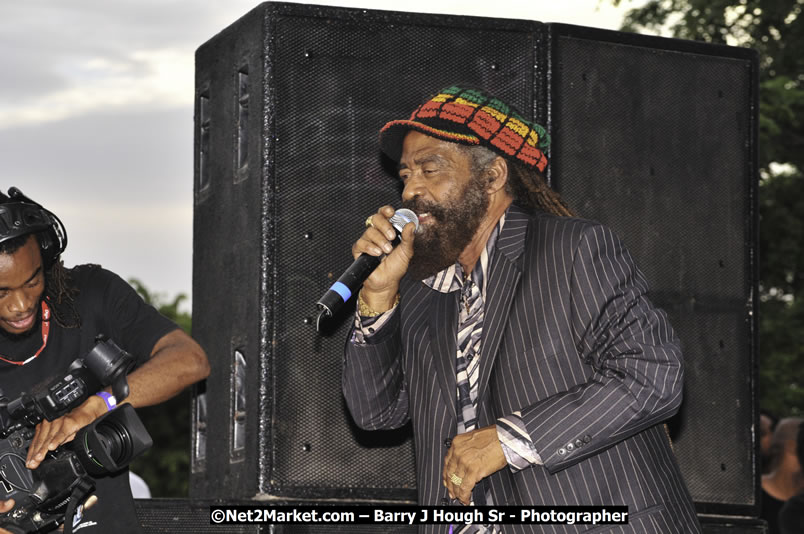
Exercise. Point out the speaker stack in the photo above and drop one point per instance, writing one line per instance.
(655, 137)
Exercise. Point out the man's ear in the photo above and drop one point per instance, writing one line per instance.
(497, 174)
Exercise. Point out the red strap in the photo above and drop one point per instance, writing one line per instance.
(45, 334)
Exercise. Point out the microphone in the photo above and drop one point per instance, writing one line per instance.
(351, 280)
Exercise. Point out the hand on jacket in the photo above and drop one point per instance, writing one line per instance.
(472, 457)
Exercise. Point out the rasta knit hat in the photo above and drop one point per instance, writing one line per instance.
(471, 117)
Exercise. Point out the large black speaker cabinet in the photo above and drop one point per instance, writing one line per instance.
(658, 139)
(655, 137)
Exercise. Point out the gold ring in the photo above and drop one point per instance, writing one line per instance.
(369, 224)
(456, 479)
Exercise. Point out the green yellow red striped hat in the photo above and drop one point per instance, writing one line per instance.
(471, 116)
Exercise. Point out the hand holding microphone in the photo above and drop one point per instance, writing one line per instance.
(376, 241)
(378, 275)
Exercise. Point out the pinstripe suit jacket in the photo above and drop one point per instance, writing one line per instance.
(571, 342)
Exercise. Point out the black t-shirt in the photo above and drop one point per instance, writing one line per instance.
(770, 512)
(106, 305)
(791, 516)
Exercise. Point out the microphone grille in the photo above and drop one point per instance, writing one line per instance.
(403, 216)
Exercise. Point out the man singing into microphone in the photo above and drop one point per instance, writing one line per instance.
(517, 339)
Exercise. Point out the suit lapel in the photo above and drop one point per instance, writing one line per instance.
(443, 333)
(504, 274)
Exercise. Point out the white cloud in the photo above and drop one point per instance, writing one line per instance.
(159, 79)
(89, 65)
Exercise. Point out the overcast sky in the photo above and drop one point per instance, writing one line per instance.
(96, 118)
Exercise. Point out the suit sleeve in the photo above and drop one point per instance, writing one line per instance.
(373, 379)
(628, 345)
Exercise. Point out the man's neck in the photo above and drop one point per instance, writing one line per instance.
(498, 203)
(785, 481)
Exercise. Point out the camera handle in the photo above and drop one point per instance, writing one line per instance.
(120, 388)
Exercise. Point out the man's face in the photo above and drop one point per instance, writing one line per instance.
(22, 283)
(448, 197)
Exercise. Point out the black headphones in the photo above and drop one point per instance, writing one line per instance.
(19, 215)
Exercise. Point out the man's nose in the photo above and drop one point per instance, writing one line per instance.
(20, 301)
(413, 188)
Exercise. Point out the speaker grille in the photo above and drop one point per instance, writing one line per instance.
(335, 92)
(652, 142)
(322, 83)
(178, 516)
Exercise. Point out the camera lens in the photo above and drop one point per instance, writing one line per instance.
(110, 443)
(115, 440)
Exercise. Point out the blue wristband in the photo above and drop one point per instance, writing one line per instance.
(109, 399)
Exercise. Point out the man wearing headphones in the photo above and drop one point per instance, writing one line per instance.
(51, 315)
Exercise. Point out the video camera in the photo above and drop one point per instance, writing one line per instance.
(45, 496)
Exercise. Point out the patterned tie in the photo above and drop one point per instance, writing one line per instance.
(470, 334)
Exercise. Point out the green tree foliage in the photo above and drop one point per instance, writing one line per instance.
(775, 28)
(781, 316)
(166, 466)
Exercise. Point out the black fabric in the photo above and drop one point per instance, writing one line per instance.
(791, 516)
(77, 498)
(770, 512)
(107, 305)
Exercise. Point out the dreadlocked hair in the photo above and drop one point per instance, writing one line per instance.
(59, 290)
(60, 294)
(527, 186)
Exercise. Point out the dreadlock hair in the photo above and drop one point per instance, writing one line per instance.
(59, 290)
(527, 186)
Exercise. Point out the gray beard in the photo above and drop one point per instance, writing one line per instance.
(456, 223)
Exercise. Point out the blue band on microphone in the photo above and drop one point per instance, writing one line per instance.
(341, 289)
